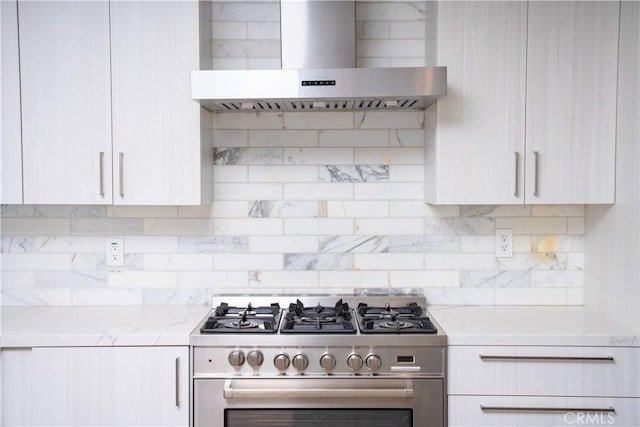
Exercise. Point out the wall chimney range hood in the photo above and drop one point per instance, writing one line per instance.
(318, 71)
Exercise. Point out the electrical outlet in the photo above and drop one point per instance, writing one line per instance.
(504, 243)
(115, 252)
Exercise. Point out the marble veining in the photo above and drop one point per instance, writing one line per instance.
(318, 261)
(354, 244)
(495, 279)
(212, 244)
(284, 209)
(460, 226)
(426, 243)
(354, 173)
(247, 156)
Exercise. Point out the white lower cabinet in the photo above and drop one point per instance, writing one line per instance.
(543, 386)
(512, 411)
(96, 386)
(15, 387)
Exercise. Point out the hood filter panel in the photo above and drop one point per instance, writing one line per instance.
(317, 106)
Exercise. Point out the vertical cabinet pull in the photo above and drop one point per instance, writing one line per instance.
(536, 161)
(121, 167)
(177, 382)
(102, 174)
(515, 182)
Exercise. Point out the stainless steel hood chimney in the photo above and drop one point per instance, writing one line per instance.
(318, 71)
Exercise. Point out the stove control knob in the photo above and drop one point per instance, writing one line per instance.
(300, 361)
(281, 361)
(354, 361)
(328, 361)
(255, 358)
(236, 358)
(373, 362)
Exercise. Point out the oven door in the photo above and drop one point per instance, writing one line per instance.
(319, 402)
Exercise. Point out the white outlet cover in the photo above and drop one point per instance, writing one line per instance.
(114, 252)
(504, 243)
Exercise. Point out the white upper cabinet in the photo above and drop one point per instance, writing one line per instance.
(480, 122)
(530, 112)
(66, 101)
(571, 102)
(10, 142)
(156, 124)
(106, 103)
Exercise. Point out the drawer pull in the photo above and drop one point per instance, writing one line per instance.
(542, 409)
(551, 358)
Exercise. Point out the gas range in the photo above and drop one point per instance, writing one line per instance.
(265, 361)
(320, 335)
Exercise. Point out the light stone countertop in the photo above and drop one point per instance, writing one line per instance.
(74, 326)
(41, 326)
(531, 325)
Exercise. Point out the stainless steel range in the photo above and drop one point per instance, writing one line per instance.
(319, 362)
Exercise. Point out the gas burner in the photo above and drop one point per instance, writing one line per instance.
(241, 324)
(228, 319)
(395, 325)
(318, 319)
(389, 319)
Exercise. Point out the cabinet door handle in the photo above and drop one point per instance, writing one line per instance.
(102, 174)
(536, 161)
(542, 409)
(121, 167)
(515, 186)
(178, 382)
(550, 358)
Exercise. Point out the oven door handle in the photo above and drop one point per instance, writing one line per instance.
(229, 392)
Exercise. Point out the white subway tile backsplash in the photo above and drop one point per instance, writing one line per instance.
(248, 191)
(35, 226)
(357, 209)
(389, 191)
(389, 156)
(233, 262)
(283, 138)
(390, 226)
(289, 173)
(142, 279)
(407, 30)
(178, 262)
(229, 30)
(389, 120)
(318, 191)
(247, 226)
(181, 226)
(259, 30)
(230, 138)
(354, 138)
(386, 261)
(317, 226)
(319, 120)
(353, 279)
(282, 244)
(304, 203)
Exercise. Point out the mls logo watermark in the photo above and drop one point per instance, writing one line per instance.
(589, 418)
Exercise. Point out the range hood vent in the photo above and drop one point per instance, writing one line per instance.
(318, 71)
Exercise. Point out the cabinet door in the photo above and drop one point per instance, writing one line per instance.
(571, 102)
(156, 124)
(536, 411)
(11, 138)
(109, 386)
(15, 386)
(479, 154)
(66, 101)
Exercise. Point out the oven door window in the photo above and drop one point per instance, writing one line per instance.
(318, 417)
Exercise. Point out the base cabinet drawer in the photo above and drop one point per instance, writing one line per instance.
(515, 411)
(544, 371)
